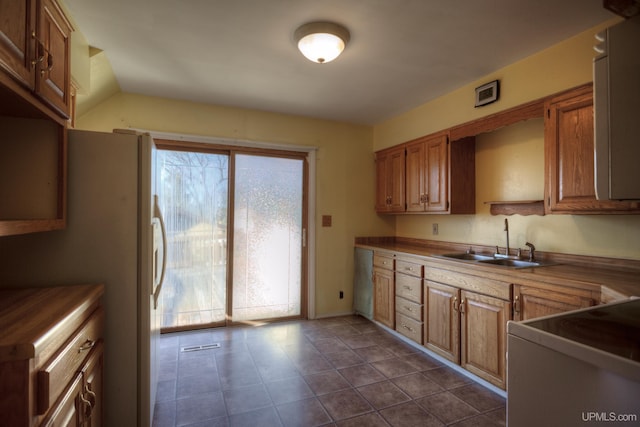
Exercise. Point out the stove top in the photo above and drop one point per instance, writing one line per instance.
(613, 328)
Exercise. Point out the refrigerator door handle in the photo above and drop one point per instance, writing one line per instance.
(157, 282)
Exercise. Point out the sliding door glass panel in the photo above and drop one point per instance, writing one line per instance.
(267, 244)
(193, 195)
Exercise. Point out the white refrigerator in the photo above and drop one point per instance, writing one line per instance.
(114, 236)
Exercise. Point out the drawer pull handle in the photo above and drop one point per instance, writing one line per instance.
(516, 305)
(87, 345)
(89, 402)
(455, 303)
(407, 288)
(88, 407)
(407, 327)
(409, 268)
(408, 308)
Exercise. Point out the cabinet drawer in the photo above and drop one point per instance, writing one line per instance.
(54, 376)
(409, 287)
(383, 261)
(409, 327)
(408, 267)
(409, 308)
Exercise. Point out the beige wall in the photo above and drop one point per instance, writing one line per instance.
(510, 162)
(344, 178)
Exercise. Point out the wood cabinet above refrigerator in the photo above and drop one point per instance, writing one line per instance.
(35, 102)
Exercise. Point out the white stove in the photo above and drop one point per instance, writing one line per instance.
(580, 368)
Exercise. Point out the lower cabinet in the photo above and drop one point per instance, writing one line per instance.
(442, 320)
(483, 335)
(409, 299)
(459, 315)
(81, 405)
(383, 290)
(465, 327)
(53, 375)
(530, 302)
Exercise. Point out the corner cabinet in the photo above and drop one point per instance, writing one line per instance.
(390, 170)
(51, 356)
(569, 157)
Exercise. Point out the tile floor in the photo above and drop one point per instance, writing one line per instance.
(342, 371)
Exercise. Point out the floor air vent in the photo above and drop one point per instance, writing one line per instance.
(199, 347)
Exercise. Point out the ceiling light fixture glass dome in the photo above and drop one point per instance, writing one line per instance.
(321, 42)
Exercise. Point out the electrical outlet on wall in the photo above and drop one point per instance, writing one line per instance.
(341, 294)
(434, 229)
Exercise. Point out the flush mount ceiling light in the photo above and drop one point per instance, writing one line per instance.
(321, 42)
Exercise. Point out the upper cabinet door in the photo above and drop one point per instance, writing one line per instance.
(17, 21)
(437, 167)
(415, 182)
(52, 48)
(569, 156)
(390, 184)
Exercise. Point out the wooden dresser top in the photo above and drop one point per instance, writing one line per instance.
(35, 319)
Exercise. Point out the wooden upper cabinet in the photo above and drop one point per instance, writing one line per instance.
(16, 43)
(390, 183)
(35, 52)
(426, 174)
(569, 156)
(440, 176)
(53, 74)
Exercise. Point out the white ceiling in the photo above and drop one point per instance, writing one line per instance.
(241, 53)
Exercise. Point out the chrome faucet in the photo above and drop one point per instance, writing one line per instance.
(532, 250)
(506, 229)
(507, 249)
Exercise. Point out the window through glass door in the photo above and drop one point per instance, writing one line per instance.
(261, 235)
(193, 196)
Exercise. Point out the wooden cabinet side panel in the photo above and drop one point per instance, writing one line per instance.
(381, 183)
(14, 386)
(442, 320)
(396, 177)
(462, 176)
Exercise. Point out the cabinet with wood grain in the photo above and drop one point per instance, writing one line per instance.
(51, 356)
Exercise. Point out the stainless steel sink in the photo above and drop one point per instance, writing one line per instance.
(504, 262)
(468, 257)
(512, 262)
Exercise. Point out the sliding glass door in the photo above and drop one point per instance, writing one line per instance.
(268, 232)
(238, 261)
(193, 196)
